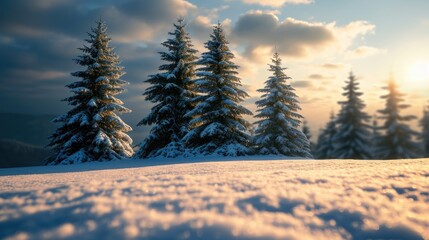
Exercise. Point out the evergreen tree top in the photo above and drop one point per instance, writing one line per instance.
(218, 52)
(393, 103)
(352, 93)
(279, 75)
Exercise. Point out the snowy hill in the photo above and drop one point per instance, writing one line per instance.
(243, 199)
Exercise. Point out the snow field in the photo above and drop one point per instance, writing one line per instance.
(270, 199)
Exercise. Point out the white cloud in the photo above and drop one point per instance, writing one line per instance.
(257, 30)
(363, 51)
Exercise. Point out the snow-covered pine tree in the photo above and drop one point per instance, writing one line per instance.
(92, 131)
(325, 144)
(397, 140)
(171, 90)
(306, 131)
(352, 138)
(375, 134)
(424, 136)
(278, 130)
(217, 126)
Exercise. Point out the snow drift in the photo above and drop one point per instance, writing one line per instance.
(270, 199)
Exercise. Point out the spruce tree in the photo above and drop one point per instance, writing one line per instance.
(352, 137)
(424, 136)
(307, 132)
(375, 134)
(91, 130)
(325, 144)
(278, 130)
(217, 125)
(171, 90)
(397, 140)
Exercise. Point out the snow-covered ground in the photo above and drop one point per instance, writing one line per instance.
(270, 199)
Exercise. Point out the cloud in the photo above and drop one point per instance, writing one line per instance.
(40, 40)
(332, 65)
(153, 12)
(301, 84)
(127, 20)
(363, 51)
(294, 38)
(309, 100)
(320, 77)
(200, 27)
(276, 3)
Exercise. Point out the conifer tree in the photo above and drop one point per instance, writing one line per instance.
(306, 131)
(171, 90)
(325, 144)
(396, 142)
(375, 134)
(278, 130)
(352, 137)
(91, 130)
(424, 136)
(217, 125)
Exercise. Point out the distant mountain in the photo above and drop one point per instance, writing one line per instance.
(19, 154)
(27, 128)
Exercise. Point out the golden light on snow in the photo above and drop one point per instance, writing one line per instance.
(418, 73)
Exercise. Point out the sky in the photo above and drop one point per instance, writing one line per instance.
(320, 42)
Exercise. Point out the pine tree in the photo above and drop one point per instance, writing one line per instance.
(352, 138)
(306, 131)
(92, 131)
(375, 134)
(424, 136)
(217, 125)
(171, 91)
(396, 142)
(325, 144)
(278, 130)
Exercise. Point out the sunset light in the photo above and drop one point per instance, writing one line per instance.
(214, 119)
(418, 73)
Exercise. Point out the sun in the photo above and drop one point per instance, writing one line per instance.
(419, 72)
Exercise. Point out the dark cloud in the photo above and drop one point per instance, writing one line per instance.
(154, 12)
(292, 37)
(39, 40)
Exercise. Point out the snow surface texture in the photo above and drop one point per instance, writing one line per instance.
(242, 199)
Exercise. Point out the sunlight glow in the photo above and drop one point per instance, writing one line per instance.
(419, 72)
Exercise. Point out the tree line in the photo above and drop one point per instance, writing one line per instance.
(197, 110)
(349, 135)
